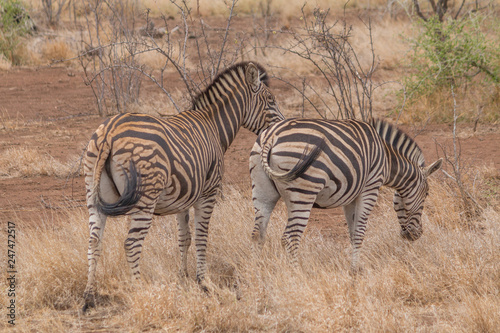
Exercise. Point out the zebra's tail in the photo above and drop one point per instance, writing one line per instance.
(307, 158)
(131, 194)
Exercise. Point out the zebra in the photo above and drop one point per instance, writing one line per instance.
(332, 163)
(140, 165)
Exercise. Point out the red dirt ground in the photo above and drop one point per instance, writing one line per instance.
(51, 110)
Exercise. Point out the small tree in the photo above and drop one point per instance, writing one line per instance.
(449, 49)
(453, 51)
(14, 24)
(110, 57)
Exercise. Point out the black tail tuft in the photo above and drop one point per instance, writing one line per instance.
(129, 198)
(308, 157)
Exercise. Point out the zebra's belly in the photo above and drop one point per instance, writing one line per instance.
(170, 209)
(170, 203)
(333, 196)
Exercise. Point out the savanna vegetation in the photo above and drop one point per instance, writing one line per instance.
(416, 63)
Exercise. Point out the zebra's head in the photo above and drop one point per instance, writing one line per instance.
(409, 202)
(263, 109)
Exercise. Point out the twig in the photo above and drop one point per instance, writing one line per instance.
(419, 12)
(469, 195)
(50, 206)
(224, 40)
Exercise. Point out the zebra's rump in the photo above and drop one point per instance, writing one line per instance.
(350, 154)
(174, 164)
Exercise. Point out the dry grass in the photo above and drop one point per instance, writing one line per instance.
(5, 64)
(29, 162)
(286, 8)
(57, 50)
(446, 281)
(8, 122)
(474, 101)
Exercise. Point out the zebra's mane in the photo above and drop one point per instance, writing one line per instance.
(198, 99)
(399, 140)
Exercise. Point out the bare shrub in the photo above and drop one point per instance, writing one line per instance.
(196, 51)
(110, 56)
(52, 10)
(343, 87)
(470, 207)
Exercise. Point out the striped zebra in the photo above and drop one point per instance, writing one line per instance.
(327, 164)
(142, 166)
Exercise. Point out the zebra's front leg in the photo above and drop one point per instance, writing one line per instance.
(184, 238)
(97, 222)
(356, 214)
(140, 223)
(202, 213)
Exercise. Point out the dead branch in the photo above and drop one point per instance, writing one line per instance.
(348, 85)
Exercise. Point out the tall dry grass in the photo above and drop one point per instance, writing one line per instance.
(287, 8)
(449, 280)
(30, 162)
(5, 64)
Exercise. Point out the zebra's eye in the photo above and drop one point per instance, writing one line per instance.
(270, 99)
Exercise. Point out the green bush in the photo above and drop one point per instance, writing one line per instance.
(451, 52)
(14, 24)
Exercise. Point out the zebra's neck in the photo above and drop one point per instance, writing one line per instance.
(223, 104)
(403, 155)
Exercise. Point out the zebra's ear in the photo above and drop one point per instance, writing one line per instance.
(433, 167)
(252, 75)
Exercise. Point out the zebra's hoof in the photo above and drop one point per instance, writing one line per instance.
(183, 274)
(356, 271)
(89, 302)
(204, 289)
(202, 285)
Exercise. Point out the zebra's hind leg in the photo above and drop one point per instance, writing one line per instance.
(97, 222)
(299, 210)
(140, 223)
(264, 197)
(356, 214)
(184, 239)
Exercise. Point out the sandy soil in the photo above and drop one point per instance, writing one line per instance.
(51, 110)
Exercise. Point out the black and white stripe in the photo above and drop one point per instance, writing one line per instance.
(326, 164)
(142, 166)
